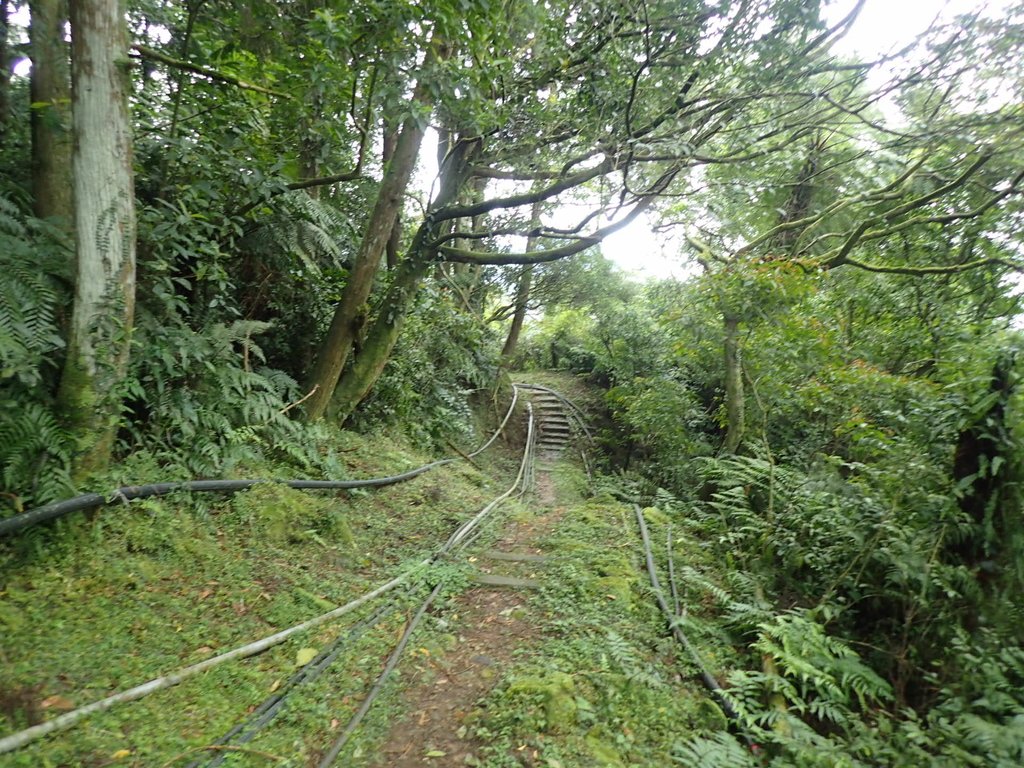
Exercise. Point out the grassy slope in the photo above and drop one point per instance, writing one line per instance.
(143, 590)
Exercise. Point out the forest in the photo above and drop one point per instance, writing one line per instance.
(325, 241)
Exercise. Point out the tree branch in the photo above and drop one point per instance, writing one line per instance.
(462, 256)
(322, 181)
(953, 269)
(493, 173)
(146, 52)
(527, 198)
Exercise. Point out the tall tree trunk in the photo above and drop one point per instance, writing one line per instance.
(522, 299)
(522, 291)
(50, 87)
(383, 334)
(734, 406)
(5, 69)
(350, 316)
(104, 303)
(380, 341)
(387, 152)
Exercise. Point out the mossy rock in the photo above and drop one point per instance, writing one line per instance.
(555, 692)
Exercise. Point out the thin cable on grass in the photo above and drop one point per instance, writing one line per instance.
(378, 686)
(709, 680)
(466, 528)
(69, 719)
(672, 570)
(458, 540)
(260, 717)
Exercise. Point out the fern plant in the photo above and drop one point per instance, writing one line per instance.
(305, 229)
(30, 295)
(204, 401)
(34, 450)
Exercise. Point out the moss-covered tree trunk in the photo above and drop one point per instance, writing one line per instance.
(390, 140)
(50, 87)
(381, 339)
(104, 302)
(351, 314)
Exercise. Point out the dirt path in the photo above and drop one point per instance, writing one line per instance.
(491, 624)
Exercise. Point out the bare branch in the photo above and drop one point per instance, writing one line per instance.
(569, 249)
(527, 198)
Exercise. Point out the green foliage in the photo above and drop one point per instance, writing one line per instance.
(281, 516)
(35, 455)
(31, 257)
(203, 402)
(443, 357)
(35, 450)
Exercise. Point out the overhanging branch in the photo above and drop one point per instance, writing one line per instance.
(146, 52)
(527, 198)
(462, 256)
(952, 269)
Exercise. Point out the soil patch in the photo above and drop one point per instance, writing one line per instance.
(491, 624)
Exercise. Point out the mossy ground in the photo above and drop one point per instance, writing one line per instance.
(140, 590)
(603, 685)
(593, 679)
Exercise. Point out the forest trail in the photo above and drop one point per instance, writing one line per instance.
(544, 650)
(491, 624)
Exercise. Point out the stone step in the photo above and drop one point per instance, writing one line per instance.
(547, 426)
(515, 557)
(494, 580)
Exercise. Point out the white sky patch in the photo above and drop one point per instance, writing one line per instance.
(644, 253)
(886, 25)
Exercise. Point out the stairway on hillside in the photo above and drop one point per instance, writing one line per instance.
(554, 429)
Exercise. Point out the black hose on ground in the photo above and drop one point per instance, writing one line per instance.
(706, 677)
(127, 493)
(130, 492)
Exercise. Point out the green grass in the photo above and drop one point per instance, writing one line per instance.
(604, 686)
(103, 604)
(106, 603)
